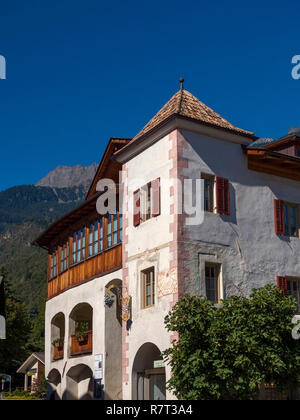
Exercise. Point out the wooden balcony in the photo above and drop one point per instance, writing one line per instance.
(81, 347)
(108, 261)
(58, 352)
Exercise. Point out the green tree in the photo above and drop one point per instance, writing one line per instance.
(14, 350)
(229, 352)
(37, 336)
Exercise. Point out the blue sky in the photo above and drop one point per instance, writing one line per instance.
(81, 72)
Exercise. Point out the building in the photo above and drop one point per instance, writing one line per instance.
(113, 278)
(33, 370)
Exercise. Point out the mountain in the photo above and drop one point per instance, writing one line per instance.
(25, 211)
(30, 203)
(69, 176)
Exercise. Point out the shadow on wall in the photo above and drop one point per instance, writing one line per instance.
(53, 385)
(113, 344)
(79, 383)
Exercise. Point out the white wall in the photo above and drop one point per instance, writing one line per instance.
(245, 242)
(148, 245)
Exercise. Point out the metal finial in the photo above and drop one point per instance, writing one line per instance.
(181, 80)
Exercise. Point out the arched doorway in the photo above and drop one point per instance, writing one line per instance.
(58, 336)
(79, 383)
(148, 381)
(113, 341)
(54, 385)
(81, 330)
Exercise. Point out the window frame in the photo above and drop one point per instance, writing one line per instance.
(64, 256)
(146, 207)
(212, 181)
(287, 227)
(148, 274)
(54, 263)
(80, 249)
(215, 266)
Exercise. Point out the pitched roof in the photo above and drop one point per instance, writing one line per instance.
(184, 104)
(262, 142)
(30, 361)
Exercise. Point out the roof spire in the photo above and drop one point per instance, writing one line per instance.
(181, 80)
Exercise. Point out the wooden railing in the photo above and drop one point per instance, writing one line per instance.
(107, 261)
(81, 346)
(58, 352)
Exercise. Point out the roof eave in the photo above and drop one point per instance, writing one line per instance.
(125, 154)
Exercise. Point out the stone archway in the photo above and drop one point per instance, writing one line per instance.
(81, 330)
(54, 385)
(58, 336)
(148, 382)
(79, 383)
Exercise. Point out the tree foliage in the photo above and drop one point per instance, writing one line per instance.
(230, 351)
(14, 350)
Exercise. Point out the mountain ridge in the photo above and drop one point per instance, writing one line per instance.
(69, 176)
(25, 211)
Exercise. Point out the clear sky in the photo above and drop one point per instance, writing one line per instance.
(79, 72)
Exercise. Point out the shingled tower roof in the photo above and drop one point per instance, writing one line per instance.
(186, 105)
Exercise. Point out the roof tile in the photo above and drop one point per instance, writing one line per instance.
(184, 104)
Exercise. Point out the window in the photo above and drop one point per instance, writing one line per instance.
(109, 232)
(293, 289)
(53, 265)
(212, 282)
(78, 246)
(286, 218)
(114, 229)
(64, 257)
(209, 181)
(148, 288)
(120, 226)
(146, 202)
(290, 219)
(96, 237)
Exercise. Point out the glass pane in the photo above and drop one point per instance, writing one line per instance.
(90, 250)
(109, 225)
(96, 247)
(101, 229)
(101, 246)
(115, 238)
(158, 387)
(109, 241)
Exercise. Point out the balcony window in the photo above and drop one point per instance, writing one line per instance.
(79, 246)
(53, 265)
(64, 257)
